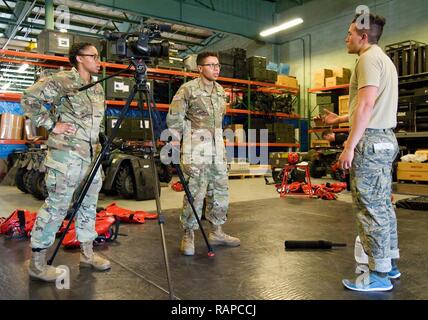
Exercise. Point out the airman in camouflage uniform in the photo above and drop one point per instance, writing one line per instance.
(370, 151)
(196, 114)
(74, 123)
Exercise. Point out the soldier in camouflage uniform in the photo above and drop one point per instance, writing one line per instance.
(370, 151)
(196, 114)
(74, 124)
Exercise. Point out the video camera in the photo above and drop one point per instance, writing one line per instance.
(140, 45)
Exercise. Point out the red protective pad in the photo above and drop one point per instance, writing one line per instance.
(307, 189)
(126, 215)
(103, 224)
(338, 185)
(325, 195)
(11, 225)
(295, 187)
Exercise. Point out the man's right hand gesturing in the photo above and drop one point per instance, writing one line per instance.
(330, 118)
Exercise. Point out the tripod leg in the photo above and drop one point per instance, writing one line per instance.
(81, 191)
(190, 199)
(161, 218)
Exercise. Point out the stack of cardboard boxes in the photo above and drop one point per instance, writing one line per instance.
(11, 127)
(413, 171)
(284, 80)
(331, 77)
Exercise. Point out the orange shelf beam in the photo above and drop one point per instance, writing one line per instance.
(34, 63)
(278, 114)
(118, 103)
(46, 57)
(10, 141)
(10, 96)
(342, 86)
(16, 97)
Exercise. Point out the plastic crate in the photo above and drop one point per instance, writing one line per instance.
(6, 149)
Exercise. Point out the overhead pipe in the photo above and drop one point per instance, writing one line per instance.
(49, 15)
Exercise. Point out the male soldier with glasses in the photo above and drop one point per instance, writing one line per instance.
(74, 124)
(196, 114)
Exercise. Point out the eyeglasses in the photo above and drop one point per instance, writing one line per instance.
(94, 56)
(212, 65)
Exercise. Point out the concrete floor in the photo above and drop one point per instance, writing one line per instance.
(241, 190)
(260, 269)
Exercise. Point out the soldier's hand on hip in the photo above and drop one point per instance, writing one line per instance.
(63, 127)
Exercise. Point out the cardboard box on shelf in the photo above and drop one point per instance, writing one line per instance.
(320, 76)
(344, 73)
(319, 83)
(288, 81)
(11, 126)
(412, 171)
(343, 105)
(335, 81)
(324, 73)
(320, 143)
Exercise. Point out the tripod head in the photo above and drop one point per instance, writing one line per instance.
(140, 75)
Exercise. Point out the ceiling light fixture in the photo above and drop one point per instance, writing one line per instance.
(284, 26)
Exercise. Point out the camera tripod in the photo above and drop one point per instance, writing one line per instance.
(141, 88)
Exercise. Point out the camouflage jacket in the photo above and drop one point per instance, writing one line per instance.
(197, 110)
(84, 109)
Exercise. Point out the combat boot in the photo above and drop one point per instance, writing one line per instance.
(89, 259)
(218, 237)
(188, 243)
(39, 269)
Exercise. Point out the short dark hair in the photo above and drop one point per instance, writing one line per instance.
(375, 27)
(75, 50)
(203, 55)
(326, 132)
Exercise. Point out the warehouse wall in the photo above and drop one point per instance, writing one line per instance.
(406, 20)
(323, 35)
(254, 48)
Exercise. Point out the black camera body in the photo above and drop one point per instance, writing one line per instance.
(144, 45)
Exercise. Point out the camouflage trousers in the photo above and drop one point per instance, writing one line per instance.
(209, 182)
(371, 187)
(65, 171)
